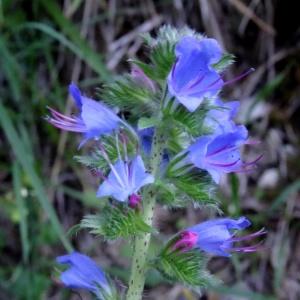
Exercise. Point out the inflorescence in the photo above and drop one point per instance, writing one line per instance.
(199, 141)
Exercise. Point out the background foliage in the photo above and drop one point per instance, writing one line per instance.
(45, 44)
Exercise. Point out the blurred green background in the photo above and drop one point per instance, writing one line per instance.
(46, 44)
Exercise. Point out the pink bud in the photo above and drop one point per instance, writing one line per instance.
(139, 75)
(186, 241)
(134, 200)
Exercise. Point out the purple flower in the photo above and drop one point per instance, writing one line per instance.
(192, 78)
(219, 119)
(217, 237)
(125, 179)
(95, 118)
(83, 273)
(220, 153)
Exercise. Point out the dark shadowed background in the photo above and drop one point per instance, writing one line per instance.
(46, 44)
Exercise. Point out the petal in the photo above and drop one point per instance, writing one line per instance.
(83, 269)
(214, 235)
(190, 62)
(108, 189)
(225, 144)
(190, 102)
(76, 94)
(74, 280)
(117, 184)
(211, 237)
(212, 50)
(98, 118)
(192, 78)
(138, 174)
(215, 174)
(239, 224)
(220, 118)
(197, 151)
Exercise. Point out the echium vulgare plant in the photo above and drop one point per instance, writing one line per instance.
(178, 139)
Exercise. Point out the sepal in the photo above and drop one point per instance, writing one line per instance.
(115, 222)
(145, 123)
(162, 54)
(226, 60)
(191, 184)
(128, 95)
(187, 267)
(184, 120)
(95, 160)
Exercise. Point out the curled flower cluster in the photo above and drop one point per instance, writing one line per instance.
(193, 81)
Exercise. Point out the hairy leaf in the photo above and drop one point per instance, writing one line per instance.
(186, 267)
(115, 222)
(224, 62)
(129, 95)
(95, 160)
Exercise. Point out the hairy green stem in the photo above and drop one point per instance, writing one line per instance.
(141, 242)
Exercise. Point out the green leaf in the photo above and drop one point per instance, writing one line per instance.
(116, 222)
(224, 62)
(166, 194)
(95, 160)
(128, 95)
(186, 267)
(144, 123)
(162, 58)
(191, 183)
(197, 187)
(185, 121)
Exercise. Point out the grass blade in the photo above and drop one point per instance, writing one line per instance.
(22, 210)
(11, 69)
(23, 157)
(88, 55)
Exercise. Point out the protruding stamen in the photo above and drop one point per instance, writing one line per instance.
(251, 163)
(105, 156)
(249, 236)
(246, 249)
(225, 165)
(239, 77)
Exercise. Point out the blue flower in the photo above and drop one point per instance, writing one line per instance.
(192, 78)
(125, 179)
(220, 153)
(220, 118)
(83, 273)
(146, 136)
(217, 237)
(95, 118)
